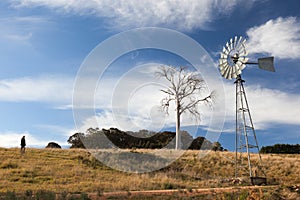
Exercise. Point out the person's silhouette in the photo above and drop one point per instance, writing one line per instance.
(23, 144)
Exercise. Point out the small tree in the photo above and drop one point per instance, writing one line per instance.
(75, 140)
(217, 146)
(185, 89)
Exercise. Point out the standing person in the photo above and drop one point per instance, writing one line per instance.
(23, 144)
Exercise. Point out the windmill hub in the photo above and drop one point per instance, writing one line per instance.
(235, 58)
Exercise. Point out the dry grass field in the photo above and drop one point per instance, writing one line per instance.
(66, 171)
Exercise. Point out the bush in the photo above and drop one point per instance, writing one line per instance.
(168, 186)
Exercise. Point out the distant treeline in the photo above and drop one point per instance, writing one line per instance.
(282, 149)
(94, 138)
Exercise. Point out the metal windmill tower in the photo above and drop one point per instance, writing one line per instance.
(232, 61)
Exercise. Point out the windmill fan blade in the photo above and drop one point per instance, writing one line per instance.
(234, 68)
(235, 42)
(240, 65)
(244, 41)
(227, 73)
(230, 73)
(239, 43)
(221, 61)
(222, 65)
(241, 47)
(228, 47)
(225, 51)
(244, 60)
(231, 43)
(234, 75)
(266, 64)
(244, 53)
(243, 66)
(224, 70)
(224, 56)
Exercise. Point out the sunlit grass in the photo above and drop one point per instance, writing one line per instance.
(75, 170)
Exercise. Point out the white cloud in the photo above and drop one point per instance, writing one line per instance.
(267, 106)
(182, 14)
(278, 37)
(53, 89)
(274, 106)
(21, 29)
(16, 37)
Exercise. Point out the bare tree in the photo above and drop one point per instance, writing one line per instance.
(185, 89)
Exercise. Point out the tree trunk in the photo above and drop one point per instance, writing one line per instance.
(178, 136)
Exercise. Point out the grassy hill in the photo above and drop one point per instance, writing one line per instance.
(75, 170)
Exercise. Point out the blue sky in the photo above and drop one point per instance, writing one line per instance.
(43, 44)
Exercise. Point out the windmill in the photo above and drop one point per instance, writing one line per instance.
(233, 60)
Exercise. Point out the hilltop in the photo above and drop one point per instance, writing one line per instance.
(75, 170)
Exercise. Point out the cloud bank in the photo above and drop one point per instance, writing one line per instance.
(267, 106)
(124, 14)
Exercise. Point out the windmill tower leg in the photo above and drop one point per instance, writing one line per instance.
(245, 138)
